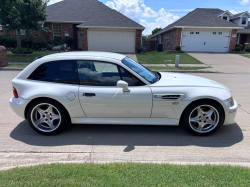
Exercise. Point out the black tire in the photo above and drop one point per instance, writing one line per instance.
(62, 123)
(192, 107)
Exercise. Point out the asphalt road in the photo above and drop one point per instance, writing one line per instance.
(20, 145)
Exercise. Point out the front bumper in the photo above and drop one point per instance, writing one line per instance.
(18, 105)
(230, 113)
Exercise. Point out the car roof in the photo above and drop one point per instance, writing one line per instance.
(88, 54)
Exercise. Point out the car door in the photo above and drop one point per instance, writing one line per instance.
(101, 98)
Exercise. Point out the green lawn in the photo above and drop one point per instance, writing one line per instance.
(248, 56)
(29, 59)
(154, 57)
(174, 68)
(126, 174)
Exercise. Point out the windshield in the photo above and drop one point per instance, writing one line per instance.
(142, 71)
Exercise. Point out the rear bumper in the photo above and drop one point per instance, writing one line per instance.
(230, 114)
(18, 105)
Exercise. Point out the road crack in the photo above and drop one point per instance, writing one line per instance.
(244, 110)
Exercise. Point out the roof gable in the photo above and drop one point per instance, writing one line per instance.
(200, 17)
(88, 13)
(240, 15)
(230, 14)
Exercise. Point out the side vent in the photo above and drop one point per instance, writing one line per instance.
(169, 96)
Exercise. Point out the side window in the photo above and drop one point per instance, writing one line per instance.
(57, 71)
(98, 73)
(130, 78)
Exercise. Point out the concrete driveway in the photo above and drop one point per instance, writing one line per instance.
(20, 145)
(224, 62)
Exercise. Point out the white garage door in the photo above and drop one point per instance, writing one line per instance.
(111, 41)
(206, 41)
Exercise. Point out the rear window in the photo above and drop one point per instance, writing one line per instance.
(57, 71)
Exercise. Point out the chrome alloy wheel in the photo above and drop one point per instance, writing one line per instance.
(204, 118)
(45, 117)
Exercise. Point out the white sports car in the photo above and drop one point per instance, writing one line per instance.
(108, 88)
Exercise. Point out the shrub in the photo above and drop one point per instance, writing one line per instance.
(177, 48)
(39, 43)
(27, 42)
(10, 41)
(238, 48)
(247, 47)
(3, 38)
(21, 51)
(69, 41)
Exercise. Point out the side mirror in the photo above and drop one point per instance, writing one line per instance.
(123, 85)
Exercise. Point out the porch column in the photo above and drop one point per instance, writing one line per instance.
(84, 33)
(238, 40)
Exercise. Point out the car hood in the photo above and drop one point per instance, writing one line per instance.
(179, 79)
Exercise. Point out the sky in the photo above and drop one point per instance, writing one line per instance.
(160, 13)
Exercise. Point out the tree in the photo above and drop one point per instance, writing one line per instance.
(22, 15)
(155, 30)
(146, 37)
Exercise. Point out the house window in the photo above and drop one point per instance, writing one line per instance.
(1, 28)
(244, 21)
(197, 33)
(22, 32)
(191, 32)
(57, 31)
(220, 33)
(225, 17)
(214, 33)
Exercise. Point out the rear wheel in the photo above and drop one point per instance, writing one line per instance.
(203, 117)
(47, 117)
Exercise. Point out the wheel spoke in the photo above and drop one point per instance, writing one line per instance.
(209, 113)
(54, 117)
(40, 111)
(51, 124)
(195, 119)
(199, 127)
(41, 120)
(211, 122)
(50, 109)
(200, 111)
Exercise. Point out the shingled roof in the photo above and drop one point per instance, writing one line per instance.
(88, 13)
(239, 14)
(246, 30)
(200, 17)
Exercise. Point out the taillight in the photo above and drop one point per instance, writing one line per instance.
(15, 93)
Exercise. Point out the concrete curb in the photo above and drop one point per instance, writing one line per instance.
(11, 69)
(240, 164)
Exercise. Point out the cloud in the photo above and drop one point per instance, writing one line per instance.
(164, 20)
(138, 11)
(132, 8)
(54, 1)
(243, 2)
(233, 12)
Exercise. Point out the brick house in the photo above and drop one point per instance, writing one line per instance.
(206, 30)
(93, 26)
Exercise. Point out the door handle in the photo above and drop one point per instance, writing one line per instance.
(88, 94)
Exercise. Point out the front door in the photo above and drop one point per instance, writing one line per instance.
(79, 36)
(101, 98)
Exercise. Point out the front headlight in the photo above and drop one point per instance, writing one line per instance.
(231, 101)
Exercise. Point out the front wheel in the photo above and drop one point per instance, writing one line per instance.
(203, 117)
(47, 117)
